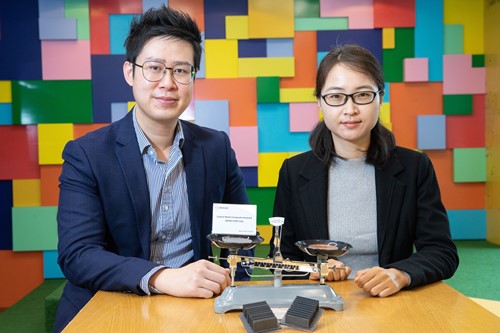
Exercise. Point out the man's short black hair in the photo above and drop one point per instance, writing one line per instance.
(162, 22)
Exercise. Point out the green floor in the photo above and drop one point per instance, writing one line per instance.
(477, 276)
(28, 315)
(479, 270)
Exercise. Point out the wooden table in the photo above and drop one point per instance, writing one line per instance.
(433, 308)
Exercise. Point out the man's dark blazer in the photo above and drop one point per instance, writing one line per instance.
(409, 214)
(104, 216)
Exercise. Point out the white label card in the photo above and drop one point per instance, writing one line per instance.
(231, 219)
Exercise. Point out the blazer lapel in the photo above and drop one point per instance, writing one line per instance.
(194, 166)
(390, 192)
(130, 160)
(314, 194)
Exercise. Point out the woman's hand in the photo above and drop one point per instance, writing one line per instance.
(337, 271)
(381, 282)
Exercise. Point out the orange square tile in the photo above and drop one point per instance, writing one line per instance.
(49, 184)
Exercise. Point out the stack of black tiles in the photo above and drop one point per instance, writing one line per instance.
(260, 317)
(302, 312)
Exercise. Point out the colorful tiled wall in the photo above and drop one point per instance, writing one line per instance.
(61, 76)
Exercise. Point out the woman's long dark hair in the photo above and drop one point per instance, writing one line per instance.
(382, 140)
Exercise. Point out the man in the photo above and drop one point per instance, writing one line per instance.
(136, 196)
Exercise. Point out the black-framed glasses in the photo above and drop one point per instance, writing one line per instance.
(154, 71)
(360, 98)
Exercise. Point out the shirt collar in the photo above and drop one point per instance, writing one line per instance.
(143, 141)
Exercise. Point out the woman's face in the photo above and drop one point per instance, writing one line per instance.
(350, 124)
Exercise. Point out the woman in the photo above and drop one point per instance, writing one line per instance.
(357, 186)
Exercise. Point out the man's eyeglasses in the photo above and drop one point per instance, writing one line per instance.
(154, 71)
(360, 98)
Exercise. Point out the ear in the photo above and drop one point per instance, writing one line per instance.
(128, 72)
(381, 97)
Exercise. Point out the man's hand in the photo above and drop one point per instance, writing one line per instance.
(336, 271)
(202, 279)
(381, 282)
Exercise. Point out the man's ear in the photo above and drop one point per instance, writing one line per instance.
(128, 72)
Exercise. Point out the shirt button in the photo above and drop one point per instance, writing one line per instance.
(165, 208)
(163, 237)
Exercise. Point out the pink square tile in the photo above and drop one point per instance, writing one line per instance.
(303, 116)
(416, 70)
(66, 60)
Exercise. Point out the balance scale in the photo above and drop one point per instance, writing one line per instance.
(278, 295)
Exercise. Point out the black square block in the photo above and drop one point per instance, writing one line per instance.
(260, 317)
(302, 312)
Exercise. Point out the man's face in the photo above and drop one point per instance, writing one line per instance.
(161, 102)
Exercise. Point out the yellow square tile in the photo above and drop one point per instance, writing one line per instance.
(221, 58)
(236, 27)
(292, 95)
(26, 192)
(269, 167)
(388, 38)
(253, 67)
(51, 141)
(271, 19)
(5, 92)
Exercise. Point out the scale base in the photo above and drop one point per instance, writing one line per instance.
(233, 298)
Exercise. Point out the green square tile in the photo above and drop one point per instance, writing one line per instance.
(34, 228)
(478, 60)
(453, 39)
(306, 8)
(469, 165)
(263, 197)
(457, 104)
(268, 90)
(51, 102)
